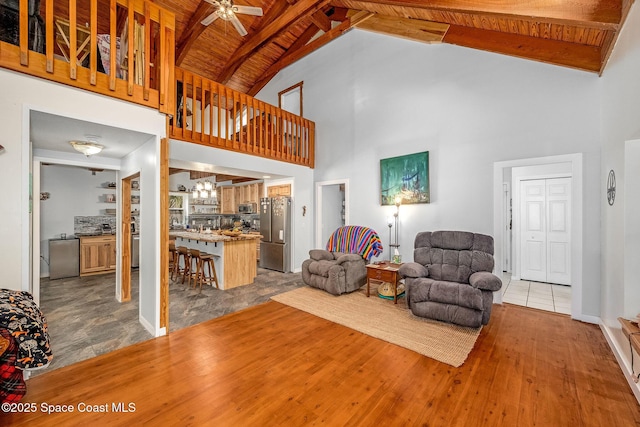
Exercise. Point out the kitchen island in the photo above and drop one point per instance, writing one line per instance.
(234, 257)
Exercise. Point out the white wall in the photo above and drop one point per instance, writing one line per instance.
(146, 160)
(20, 94)
(375, 97)
(301, 177)
(620, 92)
(74, 192)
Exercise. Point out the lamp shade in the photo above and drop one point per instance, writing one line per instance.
(86, 148)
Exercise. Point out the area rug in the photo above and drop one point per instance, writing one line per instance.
(381, 318)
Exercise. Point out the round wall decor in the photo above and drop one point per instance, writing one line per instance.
(611, 187)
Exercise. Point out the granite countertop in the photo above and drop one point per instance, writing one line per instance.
(93, 234)
(211, 237)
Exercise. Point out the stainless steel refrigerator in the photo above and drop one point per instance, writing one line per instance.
(275, 227)
(64, 258)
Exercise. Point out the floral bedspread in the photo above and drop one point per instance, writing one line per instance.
(20, 315)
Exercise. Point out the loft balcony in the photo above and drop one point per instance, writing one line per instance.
(119, 48)
(214, 115)
(125, 49)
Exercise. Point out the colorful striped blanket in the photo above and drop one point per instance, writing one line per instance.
(355, 239)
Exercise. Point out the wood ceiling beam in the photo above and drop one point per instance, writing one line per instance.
(293, 55)
(573, 55)
(321, 21)
(411, 29)
(603, 14)
(192, 31)
(300, 10)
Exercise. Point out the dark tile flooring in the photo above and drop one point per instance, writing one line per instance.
(85, 320)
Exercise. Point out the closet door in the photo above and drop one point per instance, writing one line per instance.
(545, 239)
(558, 230)
(533, 233)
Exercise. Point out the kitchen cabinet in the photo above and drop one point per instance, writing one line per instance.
(279, 190)
(228, 200)
(97, 254)
(232, 196)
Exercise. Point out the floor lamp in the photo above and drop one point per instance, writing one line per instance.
(392, 221)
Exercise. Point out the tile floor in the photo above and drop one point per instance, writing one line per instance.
(543, 296)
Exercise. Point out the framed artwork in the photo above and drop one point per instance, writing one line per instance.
(406, 177)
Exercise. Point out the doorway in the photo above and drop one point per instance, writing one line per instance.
(554, 166)
(332, 208)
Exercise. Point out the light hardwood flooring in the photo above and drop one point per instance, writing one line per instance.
(85, 320)
(272, 365)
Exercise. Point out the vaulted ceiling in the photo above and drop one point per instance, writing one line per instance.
(573, 33)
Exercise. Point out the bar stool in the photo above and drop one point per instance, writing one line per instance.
(207, 260)
(184, 256)
(173, 258)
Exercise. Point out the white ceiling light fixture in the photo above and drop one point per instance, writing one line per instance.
(88, 148)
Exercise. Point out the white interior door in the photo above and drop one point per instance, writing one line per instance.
(533, 231)
(545, 234)
(558, 231)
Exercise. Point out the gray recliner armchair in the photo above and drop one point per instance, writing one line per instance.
(450, 279)
(341, 268)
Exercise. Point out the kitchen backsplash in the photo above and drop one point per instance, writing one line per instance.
(91, 224)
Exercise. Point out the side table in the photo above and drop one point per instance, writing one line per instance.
(387, 272)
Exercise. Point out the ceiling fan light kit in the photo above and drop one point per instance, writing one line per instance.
(226, 10)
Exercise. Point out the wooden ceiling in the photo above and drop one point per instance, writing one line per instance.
(573, 33)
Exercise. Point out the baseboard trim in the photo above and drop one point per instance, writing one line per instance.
(625, 364)
(148, 326)
(587, 319)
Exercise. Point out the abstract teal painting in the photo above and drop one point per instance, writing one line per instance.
(405, 177)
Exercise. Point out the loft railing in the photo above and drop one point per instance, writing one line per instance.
(212, 114)
(119, 48)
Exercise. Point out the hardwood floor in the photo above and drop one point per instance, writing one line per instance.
(274, 365)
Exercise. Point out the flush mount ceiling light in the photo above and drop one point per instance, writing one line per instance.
(88, 148)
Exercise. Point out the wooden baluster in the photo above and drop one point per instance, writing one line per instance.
(112, 44)
(147, 50)
(93, 60)
(23, 22)
(184, 103)
(49, 34)
(202, 109)
(131, 44)
(73, 41)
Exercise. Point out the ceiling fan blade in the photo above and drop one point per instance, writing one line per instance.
(213, 2)
(209, 19)
(248, 10)
(238, 25)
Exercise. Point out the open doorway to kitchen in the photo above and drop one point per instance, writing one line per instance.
(76, 203)
(519, 289)
(332, 208)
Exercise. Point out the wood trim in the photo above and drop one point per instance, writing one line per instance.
(125, 239)
(289, 89)
(24, 32)
(49, 34)
(73, 41)
(294, 55)
(113, 16)
(130, 46)
(582, 57)
(93, 66)
(147, 50)
(164, 232)
(9, 58)
(300, 10)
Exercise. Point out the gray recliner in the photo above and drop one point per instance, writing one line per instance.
(341, 268)
(450, 279)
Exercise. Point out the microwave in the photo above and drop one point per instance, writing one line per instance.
(247, 208)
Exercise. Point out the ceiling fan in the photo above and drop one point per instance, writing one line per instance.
(227, 11)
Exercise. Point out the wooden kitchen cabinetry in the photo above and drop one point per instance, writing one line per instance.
(232, 196)
(279, 190)
(228, 205)
(97, 254)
